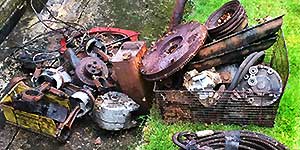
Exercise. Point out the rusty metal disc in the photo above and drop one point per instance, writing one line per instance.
(90, 67)
(231, 17)
(173, 51)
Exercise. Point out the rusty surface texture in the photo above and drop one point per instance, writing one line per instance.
(244, 105)
(232, 56)
(174, 113)
(130, 80)
(177, 14)
(173, 51)
(36, 106)
(230, 18)
(243, 43)
(61, 93)
(233, 140)
(241, 39)
(220, 109)
(141, 16)
(89, 68)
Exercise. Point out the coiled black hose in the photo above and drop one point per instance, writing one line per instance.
(225, 140)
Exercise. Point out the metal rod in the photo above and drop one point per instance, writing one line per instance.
(177, 14)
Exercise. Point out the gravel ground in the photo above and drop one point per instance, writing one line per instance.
(150, 17)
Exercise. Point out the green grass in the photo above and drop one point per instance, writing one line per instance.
(157, 135)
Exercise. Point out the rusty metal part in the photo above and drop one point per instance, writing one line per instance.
(231, 57)
(220, 107)
(230, 18)
(133, 36)
(173, 51)
(231, 49)
(63, 131)
(227, 72)
(89, 68)
(228, 140)
(95, 47)
(261, 79)
(241, 39)
(174, 114)
(103, 55)
(32, 95)
(126, 67)
(113, 111)
(178, 12)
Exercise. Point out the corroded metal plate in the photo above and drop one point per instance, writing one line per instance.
(173, 51)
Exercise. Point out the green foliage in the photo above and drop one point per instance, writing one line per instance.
(157, 135)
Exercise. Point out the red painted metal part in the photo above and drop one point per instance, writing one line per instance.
(133, 35)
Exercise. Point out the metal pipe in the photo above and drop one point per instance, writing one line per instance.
(74, 60)
(177, 14)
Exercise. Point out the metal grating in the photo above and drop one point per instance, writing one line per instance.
(182, 105)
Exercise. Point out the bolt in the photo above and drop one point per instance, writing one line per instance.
(126, 55)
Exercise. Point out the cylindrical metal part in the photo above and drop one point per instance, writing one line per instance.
(177, 14)
(126, 68)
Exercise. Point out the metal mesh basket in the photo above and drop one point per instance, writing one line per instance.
(183, 105)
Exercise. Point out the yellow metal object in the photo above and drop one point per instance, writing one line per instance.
(34, 122)
(9, 114)
(55, 99)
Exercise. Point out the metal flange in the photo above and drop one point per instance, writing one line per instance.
(173, 51)
(89, 67)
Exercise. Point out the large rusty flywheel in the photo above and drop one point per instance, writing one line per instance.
(173, 51)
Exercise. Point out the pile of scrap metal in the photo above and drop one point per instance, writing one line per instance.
(101, 72)
(95, 72)
(218, 62)
(228, 140)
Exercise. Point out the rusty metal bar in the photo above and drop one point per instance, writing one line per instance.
(240, 39)
(177, 14)
(232, 56)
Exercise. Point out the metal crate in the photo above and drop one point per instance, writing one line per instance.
(182, 105)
